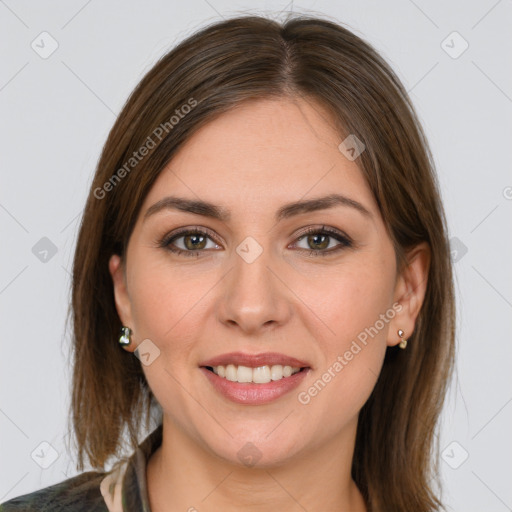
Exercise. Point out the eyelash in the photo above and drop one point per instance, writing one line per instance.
(345, 241)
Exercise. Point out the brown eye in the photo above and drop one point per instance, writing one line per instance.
(188, 243)
(319, 241)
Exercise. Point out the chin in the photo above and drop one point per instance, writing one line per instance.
(251, 451)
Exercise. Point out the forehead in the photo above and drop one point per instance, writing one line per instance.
(263, 153)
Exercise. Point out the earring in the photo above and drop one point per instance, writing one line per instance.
(403, 343)
(125, 336)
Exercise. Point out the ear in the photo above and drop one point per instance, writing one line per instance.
(122, 298)
(410, 291)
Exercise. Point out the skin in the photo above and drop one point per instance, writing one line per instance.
(310, 307)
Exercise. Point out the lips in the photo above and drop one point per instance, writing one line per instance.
(254, 394)
(255, 360)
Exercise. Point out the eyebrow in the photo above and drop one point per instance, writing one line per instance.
(207, 209)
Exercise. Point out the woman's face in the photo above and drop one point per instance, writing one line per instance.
(256, 284)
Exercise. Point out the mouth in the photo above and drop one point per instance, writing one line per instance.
(255, 368)
(254, 379)
(259, 375)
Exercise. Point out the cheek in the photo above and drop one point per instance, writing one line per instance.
(356, 310)
(166, 302)
(346, 299)
(167, 309)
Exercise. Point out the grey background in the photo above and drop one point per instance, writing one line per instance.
(56, 114)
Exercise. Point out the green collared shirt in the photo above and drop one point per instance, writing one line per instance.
(122, 489)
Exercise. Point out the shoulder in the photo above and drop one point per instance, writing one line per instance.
(80, 493)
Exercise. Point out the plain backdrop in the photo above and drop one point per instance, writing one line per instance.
(57, 109)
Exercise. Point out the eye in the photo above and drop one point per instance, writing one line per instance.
(318, 241)
(187, 242)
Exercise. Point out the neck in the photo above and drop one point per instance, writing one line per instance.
(183, 476)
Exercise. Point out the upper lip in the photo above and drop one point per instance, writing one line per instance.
(255, 360)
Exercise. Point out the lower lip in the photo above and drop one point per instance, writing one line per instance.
(254, 394)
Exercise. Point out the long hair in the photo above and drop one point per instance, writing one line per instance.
(214, 70)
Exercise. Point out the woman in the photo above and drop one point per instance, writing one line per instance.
(263, 262)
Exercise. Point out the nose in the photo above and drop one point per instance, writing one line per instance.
(253, 295)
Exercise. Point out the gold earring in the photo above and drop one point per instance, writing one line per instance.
(403, 343)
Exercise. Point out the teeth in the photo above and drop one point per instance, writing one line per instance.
(259, 375)
(276, 372)
(244, 374)
(231, 373)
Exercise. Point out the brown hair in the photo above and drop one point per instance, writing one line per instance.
(214, 70)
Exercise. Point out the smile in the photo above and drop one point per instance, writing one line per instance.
(259, 375)
(250, 392)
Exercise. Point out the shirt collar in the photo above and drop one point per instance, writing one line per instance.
(135, 489)
(125, 488)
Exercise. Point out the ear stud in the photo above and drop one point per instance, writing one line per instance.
(403, 343)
